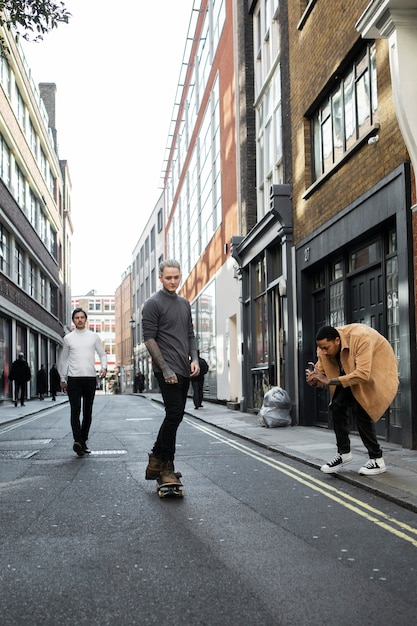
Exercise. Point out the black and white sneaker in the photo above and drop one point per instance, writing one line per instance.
(373, 466)
(335, 464)
(86, 449)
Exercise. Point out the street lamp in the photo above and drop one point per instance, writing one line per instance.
(132, 326)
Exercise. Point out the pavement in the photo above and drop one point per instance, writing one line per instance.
(313, 446)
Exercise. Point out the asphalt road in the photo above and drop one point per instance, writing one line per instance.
(257, 539)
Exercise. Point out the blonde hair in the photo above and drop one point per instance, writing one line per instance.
(168, 263)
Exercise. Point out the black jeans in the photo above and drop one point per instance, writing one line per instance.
(81, 388)
(175, 398)
(341, 401)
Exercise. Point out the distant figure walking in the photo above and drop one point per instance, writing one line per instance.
(198, 383)
(54, 381)
(139, 382)
(42, 382)
(20, 373)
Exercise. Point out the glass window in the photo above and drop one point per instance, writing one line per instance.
(33, 280)
(160, 220)
(269, 141)
(20, 108)
(32, 137)
(365, 256)
(259, 277)
(204, 318)
(20, 190)
(4, 250)
(347, 114)
(20, 266)
(261, 330)
(319, 279)
(5, 74)
(42, 283)
(393, 329)
(198, 212)
(53, 299)
(337, 304)
(337, 270)
(4, 161)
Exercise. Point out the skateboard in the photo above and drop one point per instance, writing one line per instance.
(169, 489)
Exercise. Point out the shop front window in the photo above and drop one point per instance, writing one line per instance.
(261, 329)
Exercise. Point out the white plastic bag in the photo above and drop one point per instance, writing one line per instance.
(276, 409)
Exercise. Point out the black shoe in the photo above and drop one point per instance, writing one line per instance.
(86, 449)
(23, 404)
(78, 448)
(15, 403)
(196, 408)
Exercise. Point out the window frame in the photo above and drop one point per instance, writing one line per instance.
(326, 154)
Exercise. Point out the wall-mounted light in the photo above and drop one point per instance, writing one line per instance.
(373, 140)
(282, 287)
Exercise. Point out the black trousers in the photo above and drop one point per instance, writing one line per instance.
(81, 390)
(19, 391)
(175, 398)
(339, 406)
(198, 386)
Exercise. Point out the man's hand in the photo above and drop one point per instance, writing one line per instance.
(170, 377)
(195, 368)
(64, 386)
(316, 378)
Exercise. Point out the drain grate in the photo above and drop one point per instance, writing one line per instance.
(13, 444)
(17, 454)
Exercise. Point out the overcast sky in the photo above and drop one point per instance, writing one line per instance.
(116, 67)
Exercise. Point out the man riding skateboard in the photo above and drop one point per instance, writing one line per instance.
(169, 337)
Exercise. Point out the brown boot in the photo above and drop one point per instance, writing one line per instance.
(153, 470)
(168, 475)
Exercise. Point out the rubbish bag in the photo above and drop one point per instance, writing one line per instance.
(276, 408)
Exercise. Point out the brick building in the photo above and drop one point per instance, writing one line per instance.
(124, 329)
(290, 192)
(35, 221)
(352, 194)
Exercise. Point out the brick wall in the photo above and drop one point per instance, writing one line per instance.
(317, 51)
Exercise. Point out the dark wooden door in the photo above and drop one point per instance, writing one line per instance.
(366, 300)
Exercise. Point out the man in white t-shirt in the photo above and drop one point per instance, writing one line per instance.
(78, 376)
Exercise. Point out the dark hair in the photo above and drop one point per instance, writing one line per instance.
(327, 332)
(78, 310)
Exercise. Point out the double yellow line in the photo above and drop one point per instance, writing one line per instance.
(370, 513)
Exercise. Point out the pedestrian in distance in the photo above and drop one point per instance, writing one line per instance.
(359, 366)
(198, 383)
(20, 373)
(78, 376)
(54, 381)
(139, 384)
(42, 382)
(169, 337)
